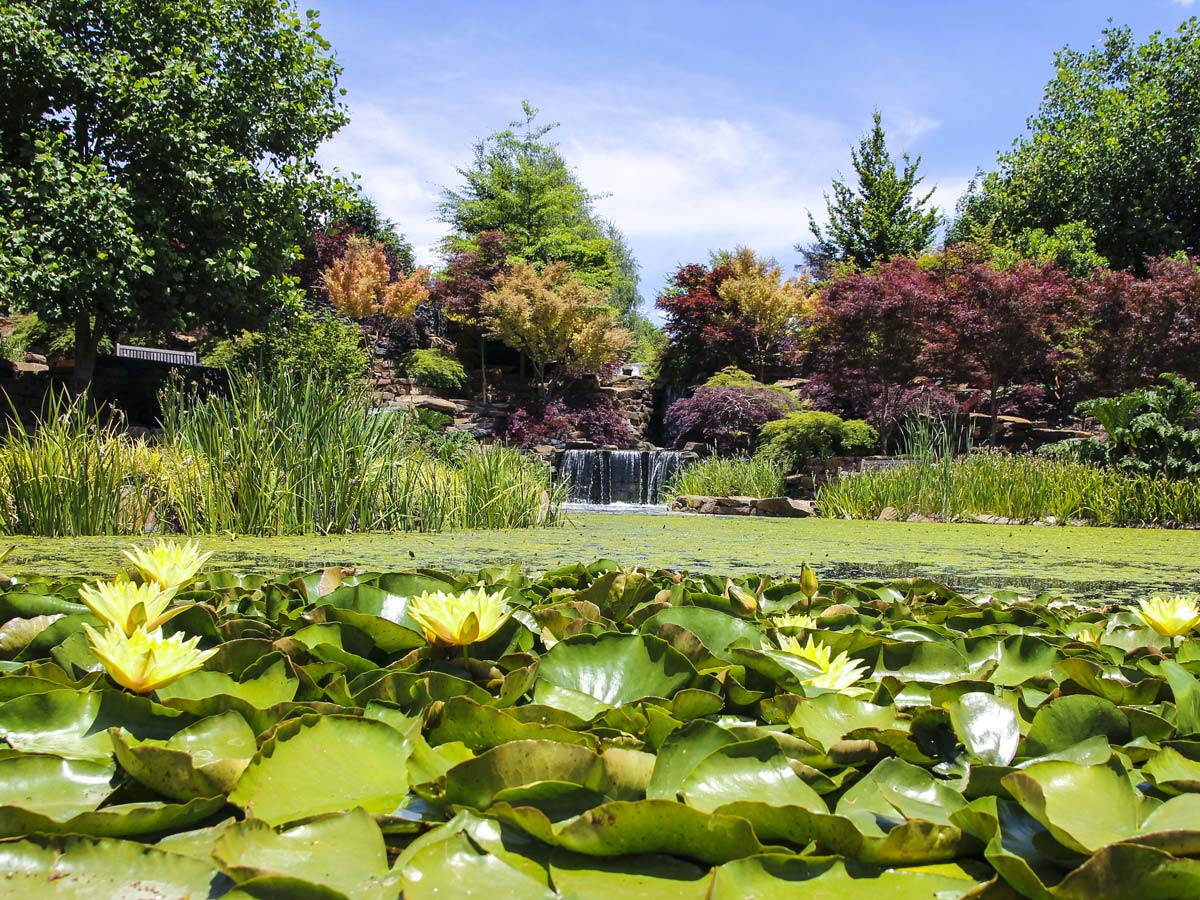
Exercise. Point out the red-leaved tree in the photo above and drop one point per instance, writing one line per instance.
(704, 331)
(870, 336)
(459, 288)
(1131, 329)
(997, 327)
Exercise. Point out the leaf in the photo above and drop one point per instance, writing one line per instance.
(610, 670)
(987, 726)
(325, 764)
(55, 787)
(82, 869)
(74, 723)
(1070, 720)
(627, 877)
(779, 877)
(343, 852)
(748, 771)
(1084, 807)
(203, 760)
(455, 867)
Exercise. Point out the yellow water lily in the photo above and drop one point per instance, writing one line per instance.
(794, 620)
(168, 564)
(128, 606)
(1170, 616)
(455, 620)
(809, 584)
(145, 660)
(837, 672)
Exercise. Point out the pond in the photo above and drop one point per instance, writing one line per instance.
(1086, 562)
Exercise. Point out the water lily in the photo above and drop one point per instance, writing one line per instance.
(1170, 616)
(809, 585)
(794, 620)
(455, 620)
(168, 564)
(145, 660)
(129, 606)
(837, 672)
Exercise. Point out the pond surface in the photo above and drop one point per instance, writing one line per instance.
(1090, 562)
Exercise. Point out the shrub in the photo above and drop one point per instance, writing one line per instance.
(720, 476)
(1151, 430)
(296, 339)
(796, 438)
(727, 419)
(434, 368)
(594, 418)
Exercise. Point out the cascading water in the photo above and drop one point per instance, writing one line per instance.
(617, 478)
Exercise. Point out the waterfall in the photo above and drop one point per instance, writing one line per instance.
(626, 477)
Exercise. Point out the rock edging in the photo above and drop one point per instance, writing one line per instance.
(779, 507)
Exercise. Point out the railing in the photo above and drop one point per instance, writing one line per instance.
(155, 354)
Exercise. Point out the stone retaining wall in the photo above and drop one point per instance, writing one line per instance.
(781, 507)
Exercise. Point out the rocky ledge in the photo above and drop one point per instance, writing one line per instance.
(783, 507)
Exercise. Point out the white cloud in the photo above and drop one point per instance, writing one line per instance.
(1183, 2)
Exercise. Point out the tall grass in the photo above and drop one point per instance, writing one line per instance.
(292, 454)
(720, 476)
(1022, 488)
(75, 474)
(289, 454)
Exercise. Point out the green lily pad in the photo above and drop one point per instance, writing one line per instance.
(203, 760)
(987, 726)
(748, 771)
(342, 852)
(52, 786)
(74, 723)
(778, 877)
(610, 670)
(81, 869)
(316, 765)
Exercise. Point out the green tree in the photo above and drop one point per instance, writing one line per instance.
(157, 161)
(881, 217)
(520, 185)
(1113, 147)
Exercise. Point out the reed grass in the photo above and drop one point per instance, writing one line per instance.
(720, 476)
(1022, 488)
(291, 454)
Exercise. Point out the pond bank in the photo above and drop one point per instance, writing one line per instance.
(1082, 561)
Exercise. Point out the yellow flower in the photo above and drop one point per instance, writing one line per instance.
(794, 620)
(127, 606)
(1170, 616)
(837, 672)
(168, 564)
(455, 620)
(145, 660)
(809, 585)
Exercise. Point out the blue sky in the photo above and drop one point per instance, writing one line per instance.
(705, 124)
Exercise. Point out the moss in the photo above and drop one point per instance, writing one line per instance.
(1082, 561)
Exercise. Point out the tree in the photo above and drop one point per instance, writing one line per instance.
(353, 213)
(881, 218)
(870, 334)
(361, 283)
(519, 185)
(703, 333)
(157, 159)
(1132, 329)
(459, 288)
(999, 327)
(555, 320)
(1112, 146)
(776, 308)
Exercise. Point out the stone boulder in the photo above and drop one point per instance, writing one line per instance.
(784, 507)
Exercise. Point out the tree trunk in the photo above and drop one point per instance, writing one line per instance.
(87, 342)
